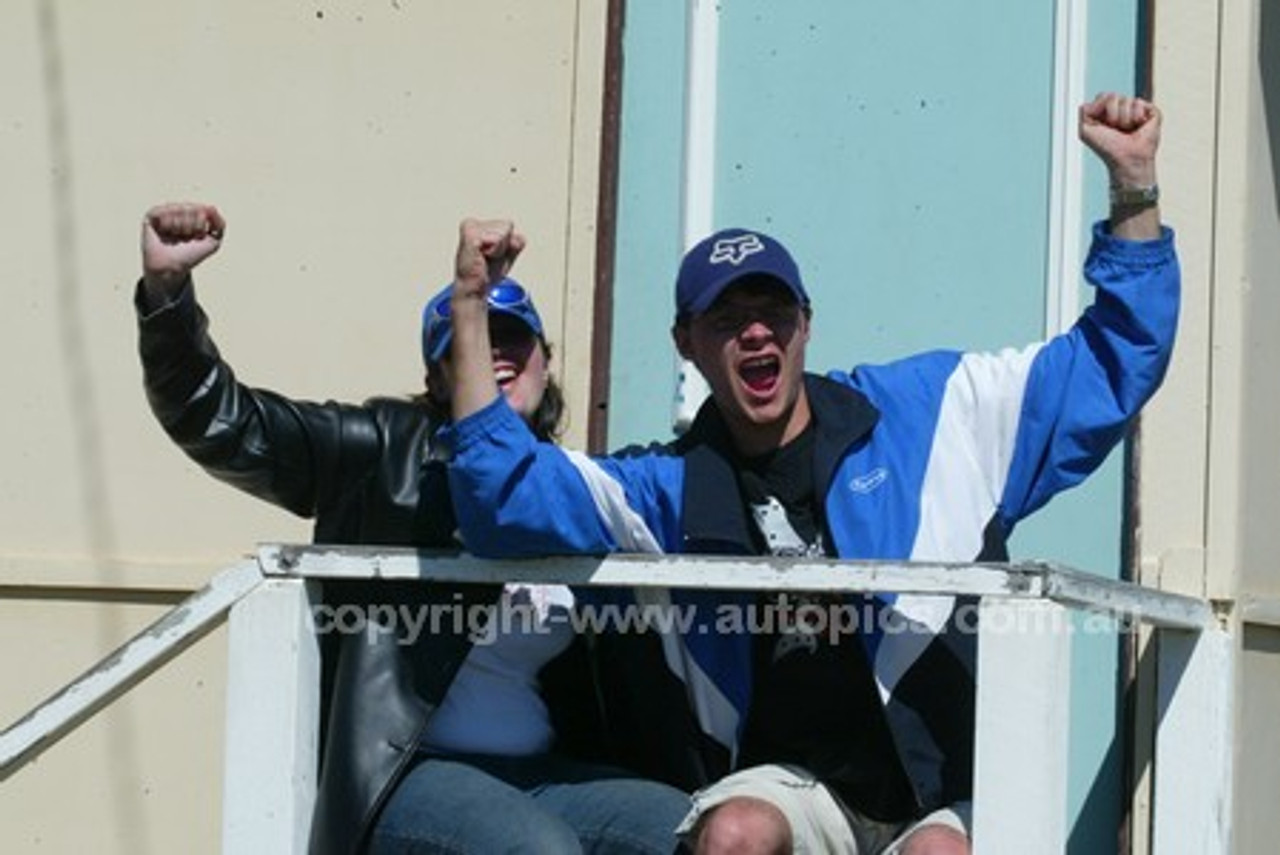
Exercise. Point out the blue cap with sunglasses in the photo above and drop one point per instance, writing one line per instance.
(507, 297)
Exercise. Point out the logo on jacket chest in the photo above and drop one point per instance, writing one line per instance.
(868, 482)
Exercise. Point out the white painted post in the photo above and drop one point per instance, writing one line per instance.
(1193, 753)
(1021, 733)
(1066, 167)
(272, 728)
(697, 205)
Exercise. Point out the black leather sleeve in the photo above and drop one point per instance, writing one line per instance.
(290, 453)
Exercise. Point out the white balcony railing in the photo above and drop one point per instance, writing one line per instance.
(1024, 647)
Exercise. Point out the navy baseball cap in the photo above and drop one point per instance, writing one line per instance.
(718, 261)
(507, 297)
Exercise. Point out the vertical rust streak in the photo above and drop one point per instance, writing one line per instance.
(606, 233)
(1136, 678)
(1146, 48)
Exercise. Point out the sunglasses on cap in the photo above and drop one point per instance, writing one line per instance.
(507, 297)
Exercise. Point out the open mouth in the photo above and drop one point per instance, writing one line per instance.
(760, 373)
(504, 374)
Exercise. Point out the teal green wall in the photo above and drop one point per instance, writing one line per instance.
(902, 152)
(648, 247)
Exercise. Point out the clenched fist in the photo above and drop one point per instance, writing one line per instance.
(175, 238)
(1125, 132)
(487, 250)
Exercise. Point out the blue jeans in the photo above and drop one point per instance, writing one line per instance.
(539, 804)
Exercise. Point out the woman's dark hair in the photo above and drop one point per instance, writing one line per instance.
(546, 422)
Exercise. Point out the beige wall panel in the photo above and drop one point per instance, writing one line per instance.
(1228, 398)
(575, 329)
(1175, 425)
(142, 778)
(1210, 458)
(343, 144)
(1260, 286)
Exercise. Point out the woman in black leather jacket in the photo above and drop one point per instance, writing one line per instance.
(432, 742)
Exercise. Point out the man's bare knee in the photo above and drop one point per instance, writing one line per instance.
(743, 826)
(936, 840)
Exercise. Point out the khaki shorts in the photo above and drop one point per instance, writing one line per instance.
(819, 823)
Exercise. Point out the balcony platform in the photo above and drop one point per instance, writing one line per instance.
(1028, 613)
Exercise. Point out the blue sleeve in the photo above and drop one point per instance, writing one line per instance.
(1085, 387)
(517, 497)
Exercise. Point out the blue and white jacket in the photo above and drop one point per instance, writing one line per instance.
(935, 457)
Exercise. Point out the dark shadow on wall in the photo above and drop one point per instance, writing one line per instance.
(87, 453)
(1269, 73)
(1097, 826)
(1102, 819)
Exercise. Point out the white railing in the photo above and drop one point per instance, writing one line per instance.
(1025, 631)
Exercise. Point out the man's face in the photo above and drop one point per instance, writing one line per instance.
(750, 346)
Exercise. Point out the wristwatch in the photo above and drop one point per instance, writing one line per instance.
(1135, 197)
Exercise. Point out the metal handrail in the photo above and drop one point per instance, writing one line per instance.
(1025, 579)
(126, 666)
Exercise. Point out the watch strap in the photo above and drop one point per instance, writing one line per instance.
(1135, 197)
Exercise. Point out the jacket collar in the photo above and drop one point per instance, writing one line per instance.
(714, 517)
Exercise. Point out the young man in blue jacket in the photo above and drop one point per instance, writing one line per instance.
(801, 740)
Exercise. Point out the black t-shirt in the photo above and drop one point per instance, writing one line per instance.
(814, 701)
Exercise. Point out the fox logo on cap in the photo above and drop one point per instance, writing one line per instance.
(721, 259)
(735, 249)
